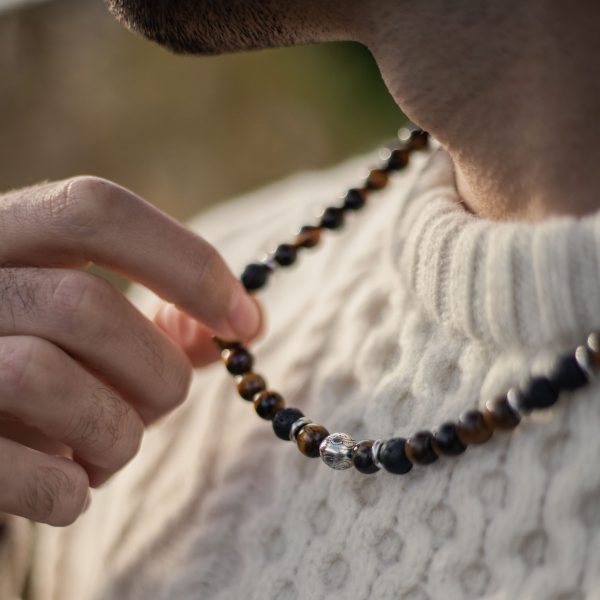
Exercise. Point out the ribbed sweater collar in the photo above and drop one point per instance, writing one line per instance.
(505, 283)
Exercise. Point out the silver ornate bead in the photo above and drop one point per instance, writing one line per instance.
(297, 426)
(336, 450)
(377, 444)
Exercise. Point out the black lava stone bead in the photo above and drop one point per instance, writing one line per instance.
(283, 421)
(568, 375)
(285, 255)
(446, 440)
(332, 218)
(540, 392)
(355, 199)
(255, 276)
(393, 456)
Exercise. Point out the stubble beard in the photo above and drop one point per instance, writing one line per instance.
(207, 26)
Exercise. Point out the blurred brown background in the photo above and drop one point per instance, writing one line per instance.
(80, 94)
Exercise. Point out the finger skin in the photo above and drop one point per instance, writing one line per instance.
(84, 219)
(94, 323)
(43, 488)
(194, 338)
(46, 389)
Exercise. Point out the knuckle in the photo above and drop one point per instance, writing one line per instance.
(121, 427)
(55, 496)
(18, 360)
(208, 263)
(110, 428)
(75, 295)
(81, 205)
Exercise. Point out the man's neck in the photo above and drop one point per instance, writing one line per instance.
(517, 107)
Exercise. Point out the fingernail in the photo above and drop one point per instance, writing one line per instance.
(244, 316)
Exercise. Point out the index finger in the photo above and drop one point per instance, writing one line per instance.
(86, 219)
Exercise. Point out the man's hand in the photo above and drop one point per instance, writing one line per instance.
(81, 370)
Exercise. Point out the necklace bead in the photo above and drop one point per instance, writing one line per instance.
(568, 375)
(309, 439)
(255, 276)
(539, 392)
(446, 440)
(393, 456)
(377, 179)
(267, 403)
(355, 199)
(249, 385)
(238, 361)
(499, 414)
(336, 451)
(297, 426)
(419, 448)
(283, 421)
(308, 236)
(285, 254)
(472, 428)
(362, 457)
(332, 217)
(398, 159)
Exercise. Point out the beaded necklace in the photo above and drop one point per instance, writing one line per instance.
(395, 455)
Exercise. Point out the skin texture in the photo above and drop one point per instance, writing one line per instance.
(82, 371)
(508, 88)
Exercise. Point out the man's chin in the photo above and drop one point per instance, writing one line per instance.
(203, 26)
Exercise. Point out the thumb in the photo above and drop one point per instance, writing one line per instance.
(193, 337)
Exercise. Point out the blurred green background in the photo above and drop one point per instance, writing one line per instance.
(81, 95)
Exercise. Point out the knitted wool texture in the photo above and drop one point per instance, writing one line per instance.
(412, 314)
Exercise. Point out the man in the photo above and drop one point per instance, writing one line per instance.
(469, 275)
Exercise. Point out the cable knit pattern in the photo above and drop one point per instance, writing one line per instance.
(414, 313)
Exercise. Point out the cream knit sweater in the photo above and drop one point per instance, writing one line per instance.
(413, 313)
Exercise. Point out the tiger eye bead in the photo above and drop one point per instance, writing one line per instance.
(362, 458)
(308, 237)
(249, 385)
(377, 179)
(268, 403)
(446, 440)
(499, 415)
(332, 218)
(238, 361)
(472, 428)
(309, 439)
(419, 448)
(418, 140)
(398, 159)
